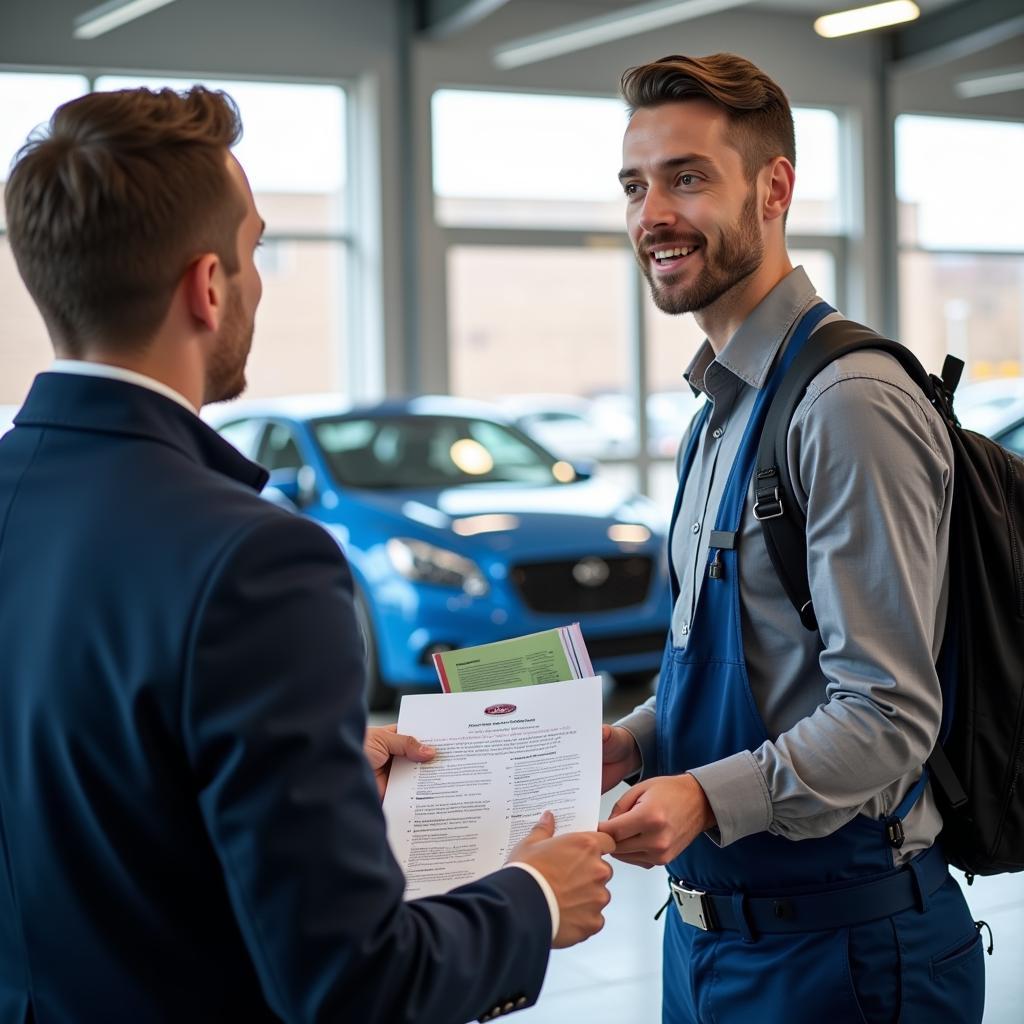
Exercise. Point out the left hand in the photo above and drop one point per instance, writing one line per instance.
(383, 743)
(656, 820)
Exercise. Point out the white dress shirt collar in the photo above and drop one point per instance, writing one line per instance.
(87, 369)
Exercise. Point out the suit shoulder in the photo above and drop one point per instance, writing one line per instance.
(200, 509)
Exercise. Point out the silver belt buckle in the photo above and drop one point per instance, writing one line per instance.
(693, 906)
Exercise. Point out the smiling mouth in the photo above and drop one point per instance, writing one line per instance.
(669, 257)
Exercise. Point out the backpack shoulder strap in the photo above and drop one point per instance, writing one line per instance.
(775, 504)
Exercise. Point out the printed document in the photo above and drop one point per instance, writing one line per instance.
(502, 759)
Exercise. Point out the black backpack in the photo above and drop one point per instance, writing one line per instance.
(978, 765)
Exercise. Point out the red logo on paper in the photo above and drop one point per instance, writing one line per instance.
(500, 709)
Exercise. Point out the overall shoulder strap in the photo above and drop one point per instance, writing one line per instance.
(775, 504)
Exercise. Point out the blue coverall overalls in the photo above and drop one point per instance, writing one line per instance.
(823, 931)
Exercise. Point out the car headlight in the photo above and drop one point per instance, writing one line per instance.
(417, 560)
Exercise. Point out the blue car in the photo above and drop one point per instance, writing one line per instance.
(461, 530)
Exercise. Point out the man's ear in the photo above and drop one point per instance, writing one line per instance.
(780, 178)
(204, 292)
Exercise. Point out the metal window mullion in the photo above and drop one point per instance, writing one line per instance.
(534, 238)
(310, 236)
(973, 253)
(637, 337)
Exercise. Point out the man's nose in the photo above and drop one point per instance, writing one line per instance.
(657, 210)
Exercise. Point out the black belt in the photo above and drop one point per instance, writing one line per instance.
(852, 904)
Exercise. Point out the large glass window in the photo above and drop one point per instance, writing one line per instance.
(294, 153)
(817, 204)
(962, 242)
(546, 313)
(526, 160)
(292, 148)
(542, 331)
(523, 160)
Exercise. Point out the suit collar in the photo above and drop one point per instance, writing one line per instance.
(103, 405)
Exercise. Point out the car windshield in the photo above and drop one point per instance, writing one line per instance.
(414, 452)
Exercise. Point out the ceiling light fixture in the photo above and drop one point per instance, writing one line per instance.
(990, 84)
(113, 15)
(865, 19)
(605, 28)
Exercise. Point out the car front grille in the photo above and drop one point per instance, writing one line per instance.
(584, 585)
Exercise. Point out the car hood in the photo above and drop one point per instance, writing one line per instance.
(494, 514)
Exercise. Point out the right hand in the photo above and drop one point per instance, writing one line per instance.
(620, 756)
(574, 869)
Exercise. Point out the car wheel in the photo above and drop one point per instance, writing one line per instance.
(379, 696)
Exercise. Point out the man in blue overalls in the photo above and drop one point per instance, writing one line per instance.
(779, 767)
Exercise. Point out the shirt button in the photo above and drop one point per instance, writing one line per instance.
(717, 432)
(684, 629)
(695, 528)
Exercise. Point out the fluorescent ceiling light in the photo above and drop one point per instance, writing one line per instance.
(991, 83)
(864, 19)
(113, 15)
(605, 28)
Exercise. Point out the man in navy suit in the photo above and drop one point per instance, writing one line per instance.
(190, 826)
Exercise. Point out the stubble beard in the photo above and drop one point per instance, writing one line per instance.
(740, 253)
(225, 373)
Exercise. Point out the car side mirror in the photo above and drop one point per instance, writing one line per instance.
(584, 468)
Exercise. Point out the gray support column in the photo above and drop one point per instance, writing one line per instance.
(637, 338)
(888, 206)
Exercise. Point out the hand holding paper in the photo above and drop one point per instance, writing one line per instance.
(502, 759)
(577, 875)
(656, 820)
(384, 743)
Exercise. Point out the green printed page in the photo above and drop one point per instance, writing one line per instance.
(523, 661)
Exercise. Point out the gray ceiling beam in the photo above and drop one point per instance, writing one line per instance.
(958, 31)
(439, 19)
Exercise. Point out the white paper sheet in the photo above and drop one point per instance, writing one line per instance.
(503, 758)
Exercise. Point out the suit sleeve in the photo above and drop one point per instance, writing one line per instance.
(274, 719)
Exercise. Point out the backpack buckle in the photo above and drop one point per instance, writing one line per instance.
(767, 505)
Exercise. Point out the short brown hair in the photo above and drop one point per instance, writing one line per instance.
(109, 205)
(759, 116)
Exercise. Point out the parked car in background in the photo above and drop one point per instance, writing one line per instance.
(460, 529)
(668, 415)
(1009, 431)
(570, 426)
(986, 405)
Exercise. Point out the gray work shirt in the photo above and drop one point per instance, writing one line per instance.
(853, 711)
